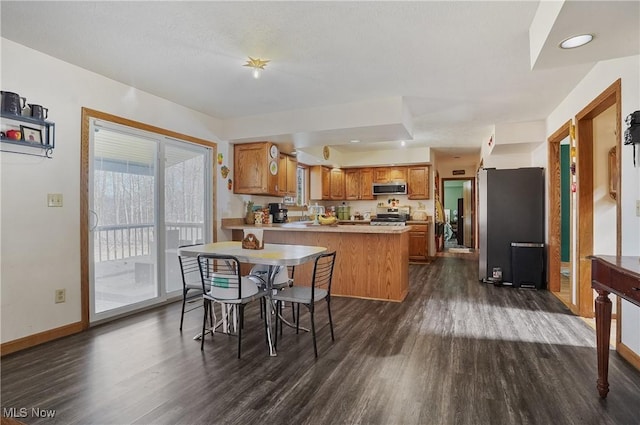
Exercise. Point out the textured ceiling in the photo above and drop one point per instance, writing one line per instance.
(460, 67)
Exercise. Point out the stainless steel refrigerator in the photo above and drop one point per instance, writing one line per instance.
(510, 210)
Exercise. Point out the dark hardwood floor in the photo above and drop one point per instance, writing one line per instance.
(455, 352)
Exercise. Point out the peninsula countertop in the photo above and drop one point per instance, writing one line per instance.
(307, 227)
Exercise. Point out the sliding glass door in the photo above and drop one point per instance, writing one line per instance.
(148, 195)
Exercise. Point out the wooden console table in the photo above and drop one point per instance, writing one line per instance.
(620, 276)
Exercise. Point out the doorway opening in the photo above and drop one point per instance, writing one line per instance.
(458, 202)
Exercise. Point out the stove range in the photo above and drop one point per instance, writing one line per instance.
(387, 222)
(389, 217)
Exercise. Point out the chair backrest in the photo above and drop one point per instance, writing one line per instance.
(222, 272)
(323, 273)
(189, 270)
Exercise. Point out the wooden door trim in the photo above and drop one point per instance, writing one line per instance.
(87, 115)
(584, 172)
(474, 210)
(555, 206)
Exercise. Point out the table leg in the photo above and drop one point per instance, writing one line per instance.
(603, 333)
(269, 309)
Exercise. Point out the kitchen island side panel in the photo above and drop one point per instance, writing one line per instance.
(368, 265)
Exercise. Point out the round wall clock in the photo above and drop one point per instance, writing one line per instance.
(274, 151)
(326, 152)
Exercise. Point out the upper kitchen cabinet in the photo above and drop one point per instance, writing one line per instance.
(418, 182)
(326, 183)
(337, 183)
(287, 175)
(256, 168)
(357, 183)
(389, 174)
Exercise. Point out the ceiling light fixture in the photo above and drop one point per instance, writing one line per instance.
(257, 66)
(355, 141)
(576, 41)
(402, 143)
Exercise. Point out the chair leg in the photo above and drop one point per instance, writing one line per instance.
(297, 318)
(262, 307)
(278, 308)
(330, 321)
(293, 312)
(313, 331)
(211, 313)
(241, 313)
(204, 323)
(184, 301)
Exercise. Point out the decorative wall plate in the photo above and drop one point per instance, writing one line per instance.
(273, 167)
(273, 151)
(326, 152)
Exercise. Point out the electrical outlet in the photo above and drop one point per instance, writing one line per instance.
(638, 208)
(54, 199)
(60, 296)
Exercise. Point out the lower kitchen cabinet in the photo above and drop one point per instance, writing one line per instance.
(419, 243)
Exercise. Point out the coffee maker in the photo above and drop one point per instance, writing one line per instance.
(278, 212)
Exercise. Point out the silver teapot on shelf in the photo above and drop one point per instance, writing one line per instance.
(38, 112)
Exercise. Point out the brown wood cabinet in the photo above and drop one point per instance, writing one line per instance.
(287, 176)
(337, 184)
(398, 174)
(419, 242)
(389, 174)
(418, 182)
(326, 183)
(357, 183)
(380, 175)
(252, 175)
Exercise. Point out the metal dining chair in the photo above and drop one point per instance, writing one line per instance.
(191, 283)
(226, 285)
(318, 290)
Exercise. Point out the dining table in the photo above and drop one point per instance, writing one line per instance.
(271, 255)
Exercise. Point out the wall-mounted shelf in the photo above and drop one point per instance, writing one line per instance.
(34, 128)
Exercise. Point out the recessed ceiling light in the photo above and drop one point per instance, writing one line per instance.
(354, 141)
(576, 41)
(402, 143)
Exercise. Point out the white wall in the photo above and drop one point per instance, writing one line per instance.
(40, 246)
(595, 82)
(604, 207)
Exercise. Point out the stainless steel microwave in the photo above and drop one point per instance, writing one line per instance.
(396, 188)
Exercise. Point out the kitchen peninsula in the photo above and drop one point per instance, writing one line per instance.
(372, 261)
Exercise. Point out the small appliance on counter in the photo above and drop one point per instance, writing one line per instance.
(278, 212)
(391, 216)
(314, 211)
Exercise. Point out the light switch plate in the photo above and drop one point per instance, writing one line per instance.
(638, 208)
(54, 199)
